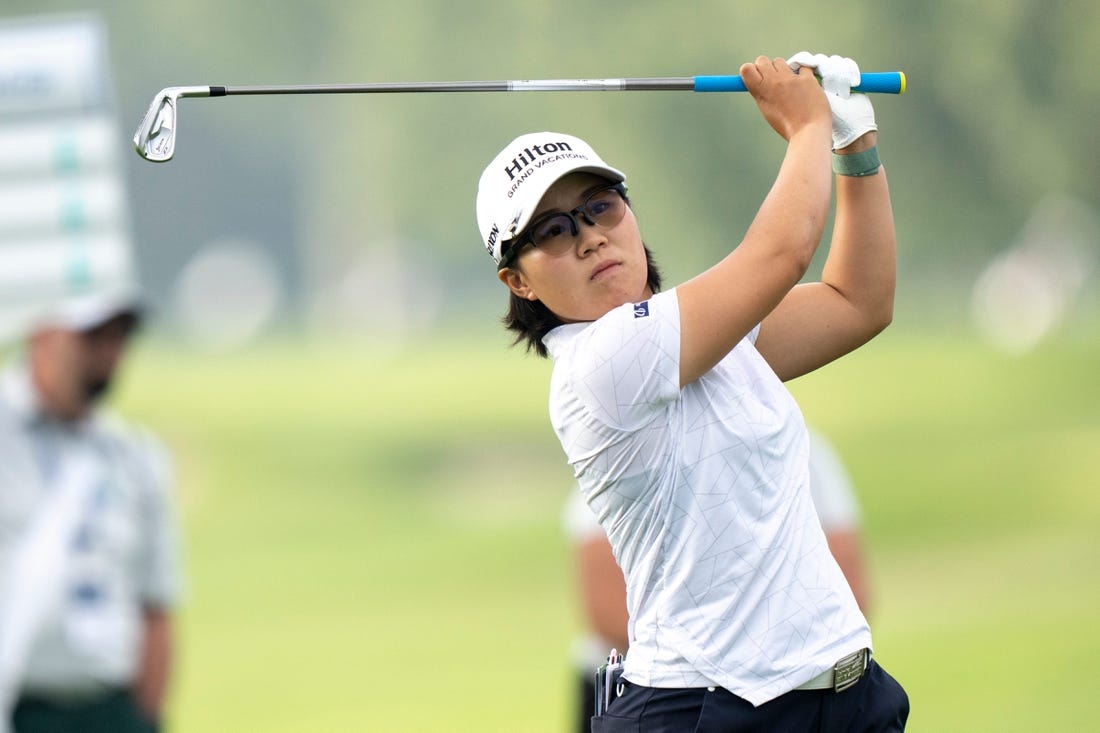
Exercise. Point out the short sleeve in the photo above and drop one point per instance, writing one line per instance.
(626, 367)
(160, 573)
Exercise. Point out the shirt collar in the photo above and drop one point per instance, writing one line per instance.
(558, 337)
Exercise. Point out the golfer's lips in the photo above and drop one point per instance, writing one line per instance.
(602, 268)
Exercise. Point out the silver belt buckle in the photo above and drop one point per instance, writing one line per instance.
(849, 670)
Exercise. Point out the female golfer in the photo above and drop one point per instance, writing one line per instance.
(671, 408)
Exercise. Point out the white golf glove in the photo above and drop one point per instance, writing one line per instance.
(852, 113)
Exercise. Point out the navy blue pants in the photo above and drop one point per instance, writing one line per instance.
(115, 712)
(875, 704)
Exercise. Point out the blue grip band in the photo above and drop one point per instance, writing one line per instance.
(882, 82)
(730, 83)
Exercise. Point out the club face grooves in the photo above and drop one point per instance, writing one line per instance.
(155, 139)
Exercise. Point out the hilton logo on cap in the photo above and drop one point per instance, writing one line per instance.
(527, 156)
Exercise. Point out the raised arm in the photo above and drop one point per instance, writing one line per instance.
(720, 306)
(818, 322)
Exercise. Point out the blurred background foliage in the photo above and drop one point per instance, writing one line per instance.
(355, 198)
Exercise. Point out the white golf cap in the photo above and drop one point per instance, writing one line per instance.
(513, 184)
(88, 310)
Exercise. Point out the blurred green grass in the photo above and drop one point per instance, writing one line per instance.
(373, 537)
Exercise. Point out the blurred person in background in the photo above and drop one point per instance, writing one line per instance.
(838, 510)
(601, 587)
(89, 546)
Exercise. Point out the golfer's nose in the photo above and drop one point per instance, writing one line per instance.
(589, 237)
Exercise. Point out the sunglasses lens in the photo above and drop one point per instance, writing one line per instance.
(605, 207)
(555, 232)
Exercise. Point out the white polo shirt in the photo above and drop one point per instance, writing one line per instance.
(831, 487)
(704, 495)
(120, 551)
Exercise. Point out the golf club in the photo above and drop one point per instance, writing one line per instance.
(155, 139)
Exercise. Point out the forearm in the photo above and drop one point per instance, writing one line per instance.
(720, 306)
(603, 592)
(846, 546)
(151, 686)
(862, 260)
(792, 218)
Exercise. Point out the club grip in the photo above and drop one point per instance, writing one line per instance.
(881, 82)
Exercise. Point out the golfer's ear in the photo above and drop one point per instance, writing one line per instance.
(515, 281)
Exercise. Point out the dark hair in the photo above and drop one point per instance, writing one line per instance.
(531, 320)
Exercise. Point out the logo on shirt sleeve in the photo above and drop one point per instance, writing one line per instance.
(641, 310)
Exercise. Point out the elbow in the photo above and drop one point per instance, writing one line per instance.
(794, 263)
(882, 322)
(875, 302)
(880, 317)
(871, 315)
(801, 261)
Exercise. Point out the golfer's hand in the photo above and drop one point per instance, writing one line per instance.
(789, 99)
(852, 113)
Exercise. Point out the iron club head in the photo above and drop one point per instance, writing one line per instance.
(155, 139)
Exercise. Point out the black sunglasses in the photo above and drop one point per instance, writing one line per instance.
(556, 233)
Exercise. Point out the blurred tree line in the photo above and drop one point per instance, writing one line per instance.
(1001, 110)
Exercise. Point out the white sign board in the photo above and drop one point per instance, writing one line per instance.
(64, 212)
(46, 66)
